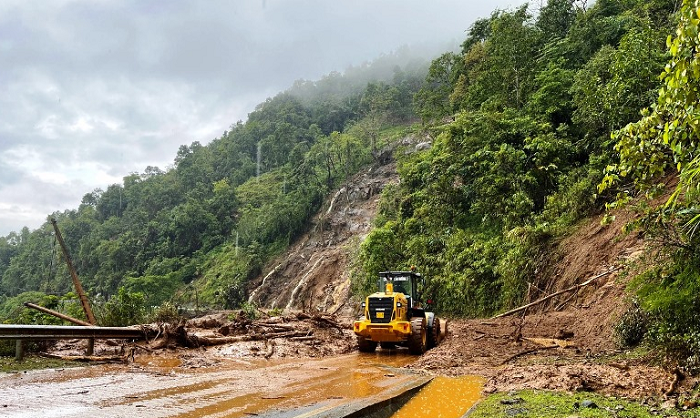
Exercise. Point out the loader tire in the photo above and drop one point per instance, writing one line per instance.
(417, 342)
(434, 333)
(365, 345)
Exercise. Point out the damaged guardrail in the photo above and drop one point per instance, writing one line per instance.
(57, 332)
(22, 333)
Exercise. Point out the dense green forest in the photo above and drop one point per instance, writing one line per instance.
(537, 126)
(533, 99)
(195, 233)
(544, 117)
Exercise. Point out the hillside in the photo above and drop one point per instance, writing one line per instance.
(314, 273)
(544, 119)
(568, 343)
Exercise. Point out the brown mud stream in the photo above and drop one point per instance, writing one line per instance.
(446, 397)
(162, 387)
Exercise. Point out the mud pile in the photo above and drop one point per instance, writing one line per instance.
(229, 334)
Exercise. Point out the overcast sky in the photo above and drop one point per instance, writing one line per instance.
(91, 91)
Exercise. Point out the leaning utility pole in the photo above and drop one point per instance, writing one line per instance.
(74, 276)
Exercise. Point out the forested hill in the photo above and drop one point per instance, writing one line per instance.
(556, 114)
(223, 208)
(535, 97)
(544, 117)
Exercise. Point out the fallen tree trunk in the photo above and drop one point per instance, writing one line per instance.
(561, 292)
(178, 336)
(208, 341)
(309, 338)
(324, 320)
(96, 359)
(57, 314)
(522, 353)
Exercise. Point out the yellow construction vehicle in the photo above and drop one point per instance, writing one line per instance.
(394, 316)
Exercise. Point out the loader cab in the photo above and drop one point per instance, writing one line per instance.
(405, 282)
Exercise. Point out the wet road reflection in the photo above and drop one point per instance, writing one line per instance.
(160, 387)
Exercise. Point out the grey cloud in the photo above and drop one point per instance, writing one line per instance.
(9, 175)
(91, 91)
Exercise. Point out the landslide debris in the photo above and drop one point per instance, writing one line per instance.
(567, 343)
(313, 275)
(226, 335)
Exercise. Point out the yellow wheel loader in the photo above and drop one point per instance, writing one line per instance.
(394, 316)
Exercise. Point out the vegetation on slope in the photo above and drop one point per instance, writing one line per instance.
(195, 233)
(530, 103)
(521, 118)
(666, 140)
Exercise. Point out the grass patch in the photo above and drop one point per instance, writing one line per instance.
(10, 365)
(546, 404)
(640, 353)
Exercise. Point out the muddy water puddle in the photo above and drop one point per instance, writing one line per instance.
(444, 397)
(156, 386)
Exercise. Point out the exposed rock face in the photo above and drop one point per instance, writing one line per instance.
(314, 274)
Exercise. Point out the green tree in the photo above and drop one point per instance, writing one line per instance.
(511, 50)
(556, 18)
(432, 101)
(668, 135)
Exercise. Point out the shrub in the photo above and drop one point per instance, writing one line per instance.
(671, 298)
(250, 310)
(167, 312)
(632, 328)
(124, 308)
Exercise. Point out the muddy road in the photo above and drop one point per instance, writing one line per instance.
(158, 386)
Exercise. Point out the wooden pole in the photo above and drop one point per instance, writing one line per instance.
(90, 348)
(74, 276)
(57, 314)
(570, 289)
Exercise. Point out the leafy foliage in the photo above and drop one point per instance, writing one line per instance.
(531, 102)
(662, 143)
(633, 325)
(668, 296)
(122, 309)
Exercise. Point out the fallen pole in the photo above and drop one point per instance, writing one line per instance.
(57, 314)
(58, 332)
(74, 276)
(561, 292)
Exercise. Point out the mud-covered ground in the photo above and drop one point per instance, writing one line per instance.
(183, 384)
(490, 348)
(571, 349)
(568, 350)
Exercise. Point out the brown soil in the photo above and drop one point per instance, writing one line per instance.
(568, 342)
(565, 344)
(512, 352)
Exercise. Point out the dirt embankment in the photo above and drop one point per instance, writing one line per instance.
(566, 343)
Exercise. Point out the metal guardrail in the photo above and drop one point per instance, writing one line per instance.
(57, 332)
